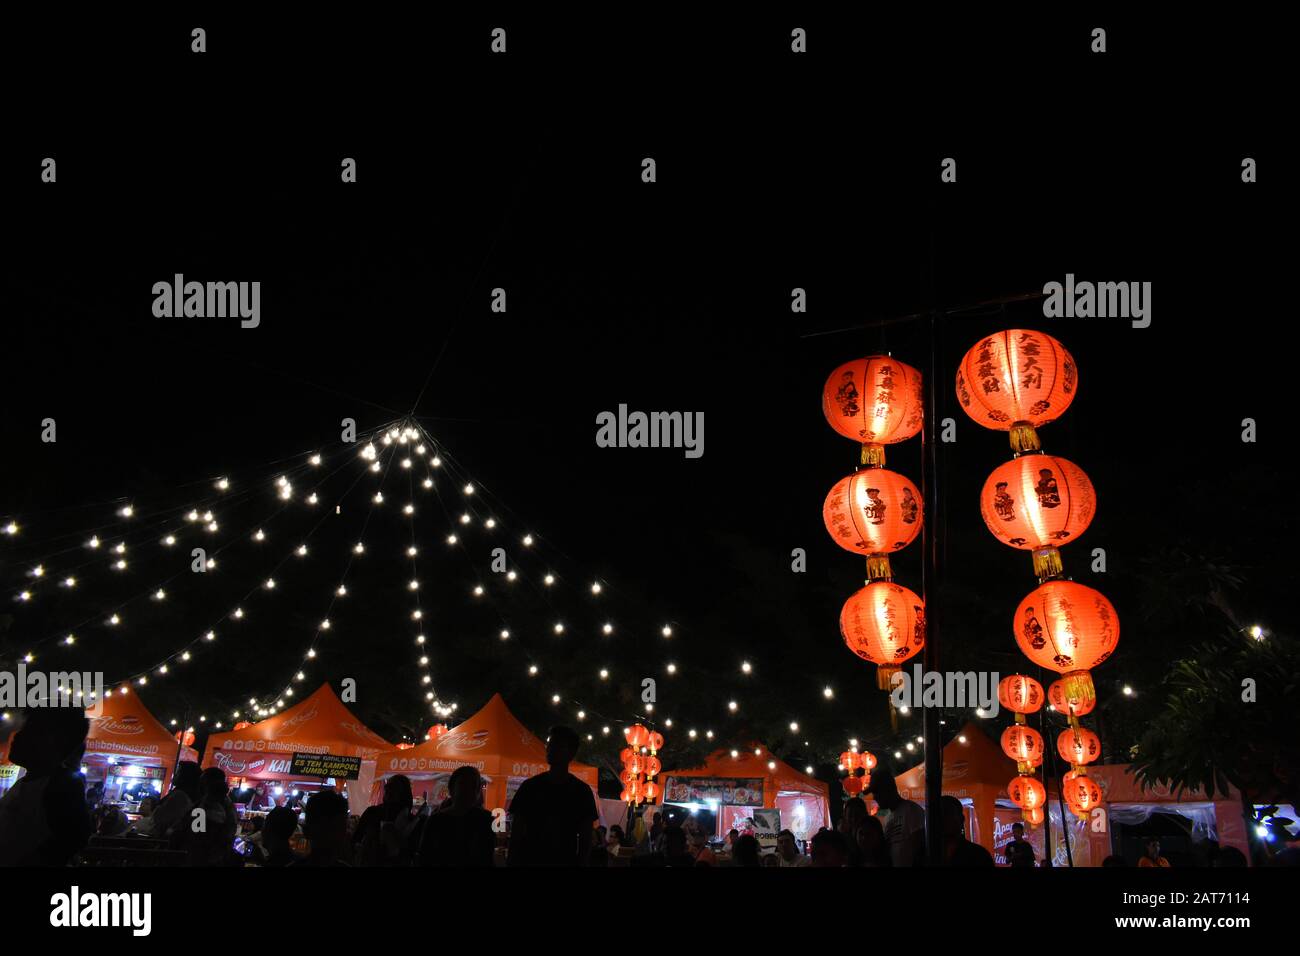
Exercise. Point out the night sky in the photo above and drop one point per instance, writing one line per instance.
(666, 296)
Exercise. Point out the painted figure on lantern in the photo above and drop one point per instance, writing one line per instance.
(1049, 496)
(875, 508)
(1003, 503)
(909, 506)
(1033, 630)
(846, 397)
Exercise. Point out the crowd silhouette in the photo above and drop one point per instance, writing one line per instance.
(51, 818)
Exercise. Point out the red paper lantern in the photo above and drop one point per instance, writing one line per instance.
(1078, 706)
(187, 740)
(436, 731)
(1033, 817)
(1020, 694)
(1081, 794)
(656, 741)
(626, 754)
(404, 746)
(627, 777)
(1023, 744)
(650, 791)
(651, 766)
(884, 623)
(868, 761)
(1078, 745)
(1038, 501)
(1027, 792)
(1017, 380)
(852, 785)
(636, 735)
(873, 512)
(875, 400)
(1069, 628)
(242, 724)
(850, 761)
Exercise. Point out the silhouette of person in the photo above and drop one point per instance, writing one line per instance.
(383, 831)
(870, 844)
(460, 835)
(326, 829)
(1019, 852)
(830, 848)
(44, 820)
(174, 809)
(744, 852)
(280, 826)
(787, 850)
(904, 821)
(957, 850)
(552, 813)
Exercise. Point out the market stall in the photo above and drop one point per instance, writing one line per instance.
(733, 786)
(503, 750)
(127, 751)
(318, 725)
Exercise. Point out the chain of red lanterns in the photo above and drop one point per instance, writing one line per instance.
(641, 765)
(874, 512)
(1016, 381)
(859, 767)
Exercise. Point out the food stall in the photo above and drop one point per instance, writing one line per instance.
(261, 754)
(503, 750)
(733, 786)
(127, 751)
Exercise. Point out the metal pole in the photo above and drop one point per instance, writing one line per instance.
(931, 584)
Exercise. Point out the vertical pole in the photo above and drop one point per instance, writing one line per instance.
(931, 585)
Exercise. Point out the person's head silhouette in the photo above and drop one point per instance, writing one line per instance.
(561, 748)
(326, 826)
(465, 787)
(745, 851)
(50, 737)
(397, 792)
(884, 791)
(281, 824)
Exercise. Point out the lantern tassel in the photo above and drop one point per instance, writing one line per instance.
(873, 454)
(1024, 438)
(878, 568)
(1077, 685)
(1047, 563)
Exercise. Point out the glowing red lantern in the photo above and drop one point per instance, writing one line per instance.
(873, 512)
(1023, 745)
(868, 761)
(627, 777)
(1081, 794)
(1069, 628)
(1027, 792)
(626, 754)
(242, 724)
(884, 623)
(1020, 694)
(1078, 706)
(874, 400)
(436, 731)
(650, 791)
(1037, 502)
(405, 746)
(656, 741)
(1016, 380)
(850, 760)
(1078, 745)
(651, 766)
(636, 735)
(187, 740)
(852, 785)
(1033, 817)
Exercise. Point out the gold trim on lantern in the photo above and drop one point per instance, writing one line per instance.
(1024, 767)
(873, 454)
(1077, 685)
(885, 678)
(1020, 718)
(878, 568)
(1047, 563)
(1024, 438)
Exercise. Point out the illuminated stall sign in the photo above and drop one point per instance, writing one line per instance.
(725, 791)
(325, 765)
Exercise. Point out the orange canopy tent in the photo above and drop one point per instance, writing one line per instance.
(503, 750)
(123, 733)
(319, 724)
(975, 770)
(755, 777)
